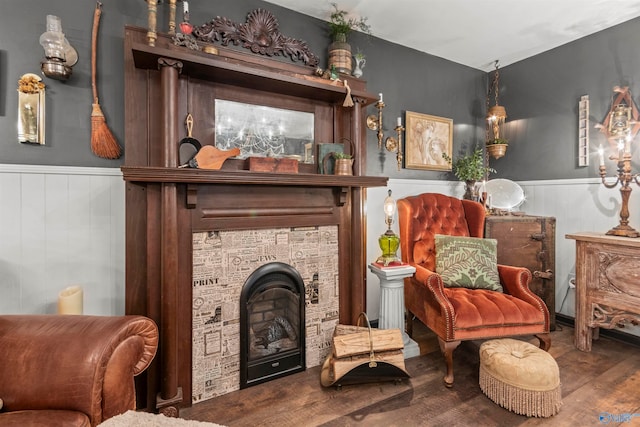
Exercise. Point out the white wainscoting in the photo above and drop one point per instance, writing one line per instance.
(577, 204)
(61, 226)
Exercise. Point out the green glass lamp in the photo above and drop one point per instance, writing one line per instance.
(389, 241)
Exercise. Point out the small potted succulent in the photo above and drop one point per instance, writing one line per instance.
(344, 163)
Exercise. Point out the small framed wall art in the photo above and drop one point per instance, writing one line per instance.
(428, 137)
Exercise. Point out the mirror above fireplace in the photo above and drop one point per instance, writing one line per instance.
(262, 131)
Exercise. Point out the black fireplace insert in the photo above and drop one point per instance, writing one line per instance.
(272, 324)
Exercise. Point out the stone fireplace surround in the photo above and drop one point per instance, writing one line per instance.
(166, 205)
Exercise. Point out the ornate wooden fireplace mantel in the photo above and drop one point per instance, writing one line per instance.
(165, 204)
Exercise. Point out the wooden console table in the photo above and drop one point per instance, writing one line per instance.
(607, 284)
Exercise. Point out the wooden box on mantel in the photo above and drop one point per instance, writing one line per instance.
(271, 164)
(528, 241)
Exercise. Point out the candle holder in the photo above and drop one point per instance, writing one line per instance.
(624, 177)
(375, 123)
(392, 144)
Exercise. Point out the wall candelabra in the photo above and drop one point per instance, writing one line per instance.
(391, 143)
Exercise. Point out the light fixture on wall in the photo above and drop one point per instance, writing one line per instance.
(60, 56)
(620, 127)
(391, 143)
(389, 241)
(496, 116)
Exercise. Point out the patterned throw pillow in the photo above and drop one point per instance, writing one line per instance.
(468, 262)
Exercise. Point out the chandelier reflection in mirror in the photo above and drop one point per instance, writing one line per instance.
(261, 131)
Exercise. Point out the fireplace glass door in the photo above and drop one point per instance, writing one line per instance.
(271, 324)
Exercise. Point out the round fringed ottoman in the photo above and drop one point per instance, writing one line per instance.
(520, 377)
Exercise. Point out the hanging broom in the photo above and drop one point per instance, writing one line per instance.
(103, 143)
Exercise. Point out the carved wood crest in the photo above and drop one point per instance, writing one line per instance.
(259, 34)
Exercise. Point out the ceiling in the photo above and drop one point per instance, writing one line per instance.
(477, 33)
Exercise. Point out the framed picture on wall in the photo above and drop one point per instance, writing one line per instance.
(428, 137)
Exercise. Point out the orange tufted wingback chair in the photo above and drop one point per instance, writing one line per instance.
(458, 314)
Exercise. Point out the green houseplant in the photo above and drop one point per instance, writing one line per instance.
(469, 168)
(344, 163)
(339, 28)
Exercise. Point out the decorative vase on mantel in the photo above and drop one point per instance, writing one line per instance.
(340, 54)
(360, 63)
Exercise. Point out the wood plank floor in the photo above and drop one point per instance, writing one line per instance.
(604, 381)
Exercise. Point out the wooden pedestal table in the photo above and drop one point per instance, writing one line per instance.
(607, 284)
(392, 303)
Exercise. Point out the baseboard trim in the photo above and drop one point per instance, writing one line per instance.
(614, 334)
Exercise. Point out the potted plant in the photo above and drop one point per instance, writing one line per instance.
(469, 168)
(339, 28)
(497, 147)
(344, 163)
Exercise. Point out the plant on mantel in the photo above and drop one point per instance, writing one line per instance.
(340, 155)
(340, 26)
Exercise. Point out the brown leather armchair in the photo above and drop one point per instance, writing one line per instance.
(456, 314)
(65, 370)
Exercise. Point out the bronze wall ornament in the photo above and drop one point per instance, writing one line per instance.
(259, 34)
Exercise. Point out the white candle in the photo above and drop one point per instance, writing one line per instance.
(380, 95)
(70, 300)
(185, 6)
(601, 155)
(627, 146)
(620, 150)
(399, 121)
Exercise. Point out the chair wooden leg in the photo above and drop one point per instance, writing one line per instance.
(447, 348)
(409, 320)
(545, 341)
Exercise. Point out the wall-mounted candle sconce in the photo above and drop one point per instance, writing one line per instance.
(375, 123)
(391, 143)
(60, 56)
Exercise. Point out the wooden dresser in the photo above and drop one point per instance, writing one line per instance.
(607, 284)
(528, 241)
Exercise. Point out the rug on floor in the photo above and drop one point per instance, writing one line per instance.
(146, 419)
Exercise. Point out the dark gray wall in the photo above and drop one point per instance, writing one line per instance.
(541, 95)
(410, 80)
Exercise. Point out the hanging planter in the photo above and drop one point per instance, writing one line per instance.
(497, 148)
(339, 28)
